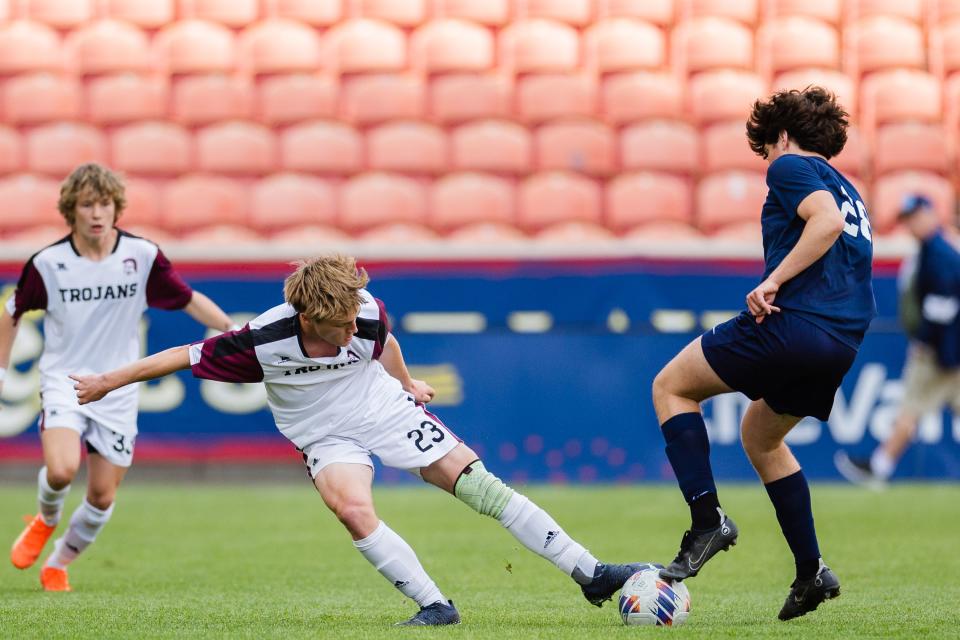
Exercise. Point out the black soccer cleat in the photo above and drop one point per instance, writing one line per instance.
(607, 580)
(697, 547)
(436, 614)
(806, 595)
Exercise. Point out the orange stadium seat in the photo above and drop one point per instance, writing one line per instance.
(311, 235)
(795, 42)
(546, 96)
(889, 191)
(143, 203)
(836, 81)
(883, 42)
(11, 150)
(539, 46)
(450, 45)
(723, 94)
(660, 12)
(951, 108)
(29, 46)
(574, 232)
(458, 97)
(941, 11)
(146, 14)
(195, 46)
(641, 95)
(369, 99)
(202, 99)
(728, 197)
(399, 234)
(549, 198)
(108, 46)
(374, 199)
(852, 160)
(222, 235)
(364, 46)
(288, 200)
(902, 94)
(194, 201)
(660, 145)
(40, 97)
(151, 148)
(278, 45)
(58, 148)
(288, 98)
(29, 200)
(633, 199)
(486, 233)
(237, 148)
(706, 43)
(658, 232)
(125, 97)
(460, 199)
(622, 44)
(945, 48)
(910, 145)
(578, 13)
(316, 13)
(408, 13)
(36, 236)
(826, 10)
(584, 146)
(912, 10)
(59, 14)
(492, 145)
(744, 11)
(746, 231)
(492, 13)
(321, 147)
(232, 13)
(724, 146)
(407, 147)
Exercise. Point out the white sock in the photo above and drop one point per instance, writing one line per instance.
(85, 524)
(882, 464)
(50, 500)
(397, 562)
(540, 533)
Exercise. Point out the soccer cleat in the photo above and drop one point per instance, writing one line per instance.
(435, 614)
(806, 595)
(54, 579)
(607, 580)
(698, 546)
(27, 547)
(857, 471)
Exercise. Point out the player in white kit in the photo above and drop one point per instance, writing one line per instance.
(339, 389)
(94, 286)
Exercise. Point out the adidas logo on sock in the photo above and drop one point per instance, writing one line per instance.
(399, 584)
(551, 535)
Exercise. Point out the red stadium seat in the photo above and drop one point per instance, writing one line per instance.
(578, 13)
(796, 42)
(633, 199)
(11, 150)
(57, 149)
(539, 46)
(574, 232)
(744, 11)
(108, 46)
(827, 10)
(200, 100)
(125, 98)
(550, 198)
(659, 232)
(146, 14)
(232, 13)
(341, 145)
(196, 46)
(902, 94)
(236, 148)
(151, 148)
(945, 48)
(289, 98)
(311, 235)
(660, 12)
(316, 13)
(910, 145)
(192, 201)
(724, 146)
(376, 199)
(541, 97)
(40, 97)
(143, 203)
(374, 98)
(942, 11)
(622, 44)
(584, 146)
(726, 94)
(407, 147)
(444, 46)
(288, 200)
(486, 234)
(889, 191)
(59, 14)
(642, 95)
(364, 46)
(221, 235)
(152, 233)
(492, 13)
(660, 146)
(912, 10)
(492, 145)
(746, 231)
(279, 46)
(37, 236)
(707, 43)
(883, 42)
(408, 13)
(852, 160)
(728, 197)
(29, 46)
(399, 234)
(455, 98)
(839, 83)
(461, 199)
(29, 200)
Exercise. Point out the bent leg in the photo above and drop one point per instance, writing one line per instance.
(61, 457)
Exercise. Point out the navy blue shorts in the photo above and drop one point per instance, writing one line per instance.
(793, 364)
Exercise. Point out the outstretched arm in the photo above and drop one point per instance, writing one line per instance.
(392, 361)
(94, 386)
(206, 312)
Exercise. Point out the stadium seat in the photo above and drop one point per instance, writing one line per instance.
(194, 201)
(622, 44)
(203, 99)
(27, 46)
(288, 200)
(911, 10)
(314, 236)
(547, 96)
(146, 14)
(123, 98)
(456, 98)
(836, 81)
(151, 148)
(364, 46)
(642, 95)
(461, 199)
(578, 13)
(29, 200)
(889, 191)
(408, 13)
(744, 11)
(373, 98)
(195, 46)
(945, 48)
(796, 42)
(852, 160)
(538, 46)
(660, 146)
(700, 44)
(399, 234)
(659, 232)
(11, 150)
(549, 198)
(56, 149)
(910, 145)
(279, 46)
(724, 146)
(942, 11)
(486, 234)
(492, 13)
(584, 146)
(728, 197)
(951, 108)
(492, 145)
(236, 148)
(883, 42)
(375, 199)
(151, 233)
(59, 14)
(232, 13)
(660, 12)
(143, 203)
(289, 98)
(316, 13)
(827, 10)
(724, 94)
(221, 235)
(35, 98)
(634, 199)
(108, 46)
(36, 236)
(902, 94)
(407, 147)
(745, 231)
(445, 46)
(574, 232)
(321, 147)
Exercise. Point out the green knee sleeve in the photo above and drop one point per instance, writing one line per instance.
(482, 491)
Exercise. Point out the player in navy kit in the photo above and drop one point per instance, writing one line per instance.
(789, 351)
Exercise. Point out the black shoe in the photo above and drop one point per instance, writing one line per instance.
(607, 580)
(806, 595)
(435, 614)
(857, 471)
(697, 547)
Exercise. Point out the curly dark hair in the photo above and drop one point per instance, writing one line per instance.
(812, 118)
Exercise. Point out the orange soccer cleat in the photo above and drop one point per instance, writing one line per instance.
(54, 579)
(27, 547)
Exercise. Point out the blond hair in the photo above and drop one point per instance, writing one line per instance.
(103, 182)
(326, 288)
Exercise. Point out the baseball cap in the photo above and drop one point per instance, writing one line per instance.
(912, 203)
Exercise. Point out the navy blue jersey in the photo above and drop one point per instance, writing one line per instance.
(835, 292)
(938, 292)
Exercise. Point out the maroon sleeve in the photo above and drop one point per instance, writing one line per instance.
(31, 293)
(165, 288)
(228, 357)
(383, 330)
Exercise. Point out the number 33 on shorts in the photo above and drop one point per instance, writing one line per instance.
(425, 435)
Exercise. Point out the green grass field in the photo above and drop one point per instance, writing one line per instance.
(268, 561)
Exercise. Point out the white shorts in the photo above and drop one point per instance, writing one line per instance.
(926, 385)
(116, 448)
(407, 436)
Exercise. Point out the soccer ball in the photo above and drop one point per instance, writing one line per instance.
(647, 599)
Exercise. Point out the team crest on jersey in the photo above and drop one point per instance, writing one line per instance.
(129, 266)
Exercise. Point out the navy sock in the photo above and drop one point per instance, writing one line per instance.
(688, 450)
(791, 499)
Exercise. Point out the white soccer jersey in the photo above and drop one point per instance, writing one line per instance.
(92, 321)
(309, 397)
